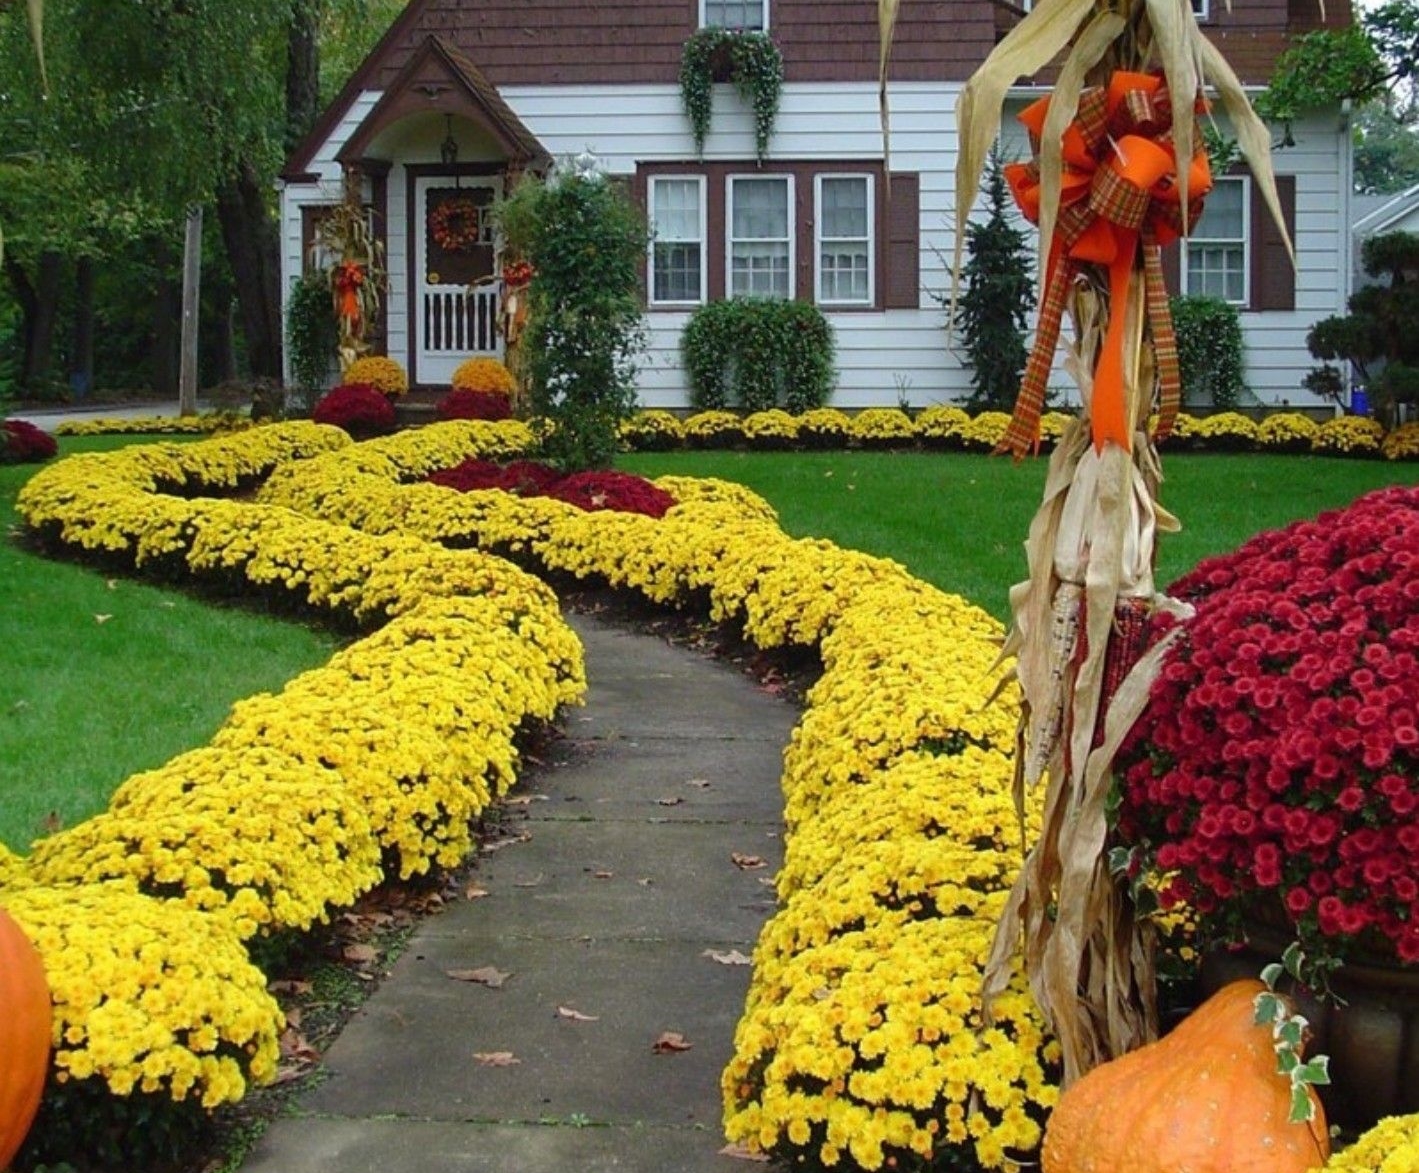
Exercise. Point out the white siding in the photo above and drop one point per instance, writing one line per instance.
(880, 355)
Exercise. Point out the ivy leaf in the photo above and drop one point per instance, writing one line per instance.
(1317, 1071)
(1303, 1108)
(1268, 1009)
(1271, 974)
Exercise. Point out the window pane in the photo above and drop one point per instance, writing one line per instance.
(1221, 217)
(1217, 271)
(760, 209)
(844, 208)
(677, 209)
(677, 272)
(759, 270)
(844, 275)
(734, 14)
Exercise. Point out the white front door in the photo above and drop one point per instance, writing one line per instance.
(455, 287)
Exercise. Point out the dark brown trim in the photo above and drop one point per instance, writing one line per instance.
(804, 173)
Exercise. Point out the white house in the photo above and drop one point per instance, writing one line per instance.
(459, 98)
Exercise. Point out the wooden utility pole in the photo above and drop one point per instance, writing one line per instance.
(191, 286)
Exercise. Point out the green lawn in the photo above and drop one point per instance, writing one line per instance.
(103, 677)
(959, 520)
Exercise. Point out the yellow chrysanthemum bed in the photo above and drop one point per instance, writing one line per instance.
(861, 1043)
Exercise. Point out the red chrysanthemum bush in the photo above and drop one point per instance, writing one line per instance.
(1277, 763)
(618, 491)
(23, 443)
(464, 403)
(527, 478)
(358, 408)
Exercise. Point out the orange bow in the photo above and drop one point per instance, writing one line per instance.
(349, 276)
(1118, 192)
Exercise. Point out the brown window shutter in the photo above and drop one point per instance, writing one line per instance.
(1172, 268)
(1273, 280)
(901, 286)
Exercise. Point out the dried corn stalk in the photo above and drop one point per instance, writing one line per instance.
(1078, 620)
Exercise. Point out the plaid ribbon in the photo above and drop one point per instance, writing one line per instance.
(1119, 198)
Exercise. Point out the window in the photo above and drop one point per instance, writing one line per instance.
(677, 248)
(760, 236)
(735, 14)
(844, 239)
(1215, 261)
(1202, 9)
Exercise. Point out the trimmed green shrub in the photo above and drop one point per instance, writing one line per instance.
(757, 354)
(1210, 351)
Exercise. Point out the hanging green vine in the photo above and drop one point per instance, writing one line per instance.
(751, 62)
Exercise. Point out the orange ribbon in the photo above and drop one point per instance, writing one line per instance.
(1118, 197)
(349, 276)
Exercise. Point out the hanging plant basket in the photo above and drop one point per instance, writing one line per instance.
(750, 61)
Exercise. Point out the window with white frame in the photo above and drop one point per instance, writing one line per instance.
(760, 236)
(1215, 260)
(1201, 9)
(844, 239)
(735, 14)
(677, 247)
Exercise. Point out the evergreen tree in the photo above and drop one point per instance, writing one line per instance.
(998, 293)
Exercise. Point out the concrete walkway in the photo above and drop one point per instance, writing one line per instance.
(631, 862)
(49, 418)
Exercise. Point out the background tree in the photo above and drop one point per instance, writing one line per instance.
(997, 295)
(1372, 64)
(1380, 334)
(163, 104)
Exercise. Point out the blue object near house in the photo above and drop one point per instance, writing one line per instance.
(1359, 401)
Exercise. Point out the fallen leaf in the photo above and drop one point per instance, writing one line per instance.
(52, 823)
(748, 862)
(674, 800)
(733, 957)
(111, 583)
(473, 892)
(492, 845)
(484, 975)
(288, 1072)
(496, 1058)
(524, 799)
(294, 1017)
(102, 618)
(576, 1015)
(290, 987)
(738, 1151)
(645, 881)
(532, 883)
(602, 875)
(767, 881)
(360, 953)
(670, 1042)
(167, 603)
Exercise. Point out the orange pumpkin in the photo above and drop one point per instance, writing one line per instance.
(25, 1019)
(1205, 1098)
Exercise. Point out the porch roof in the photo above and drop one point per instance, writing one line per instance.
(440, 78)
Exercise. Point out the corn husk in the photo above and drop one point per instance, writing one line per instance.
(1070, 925)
